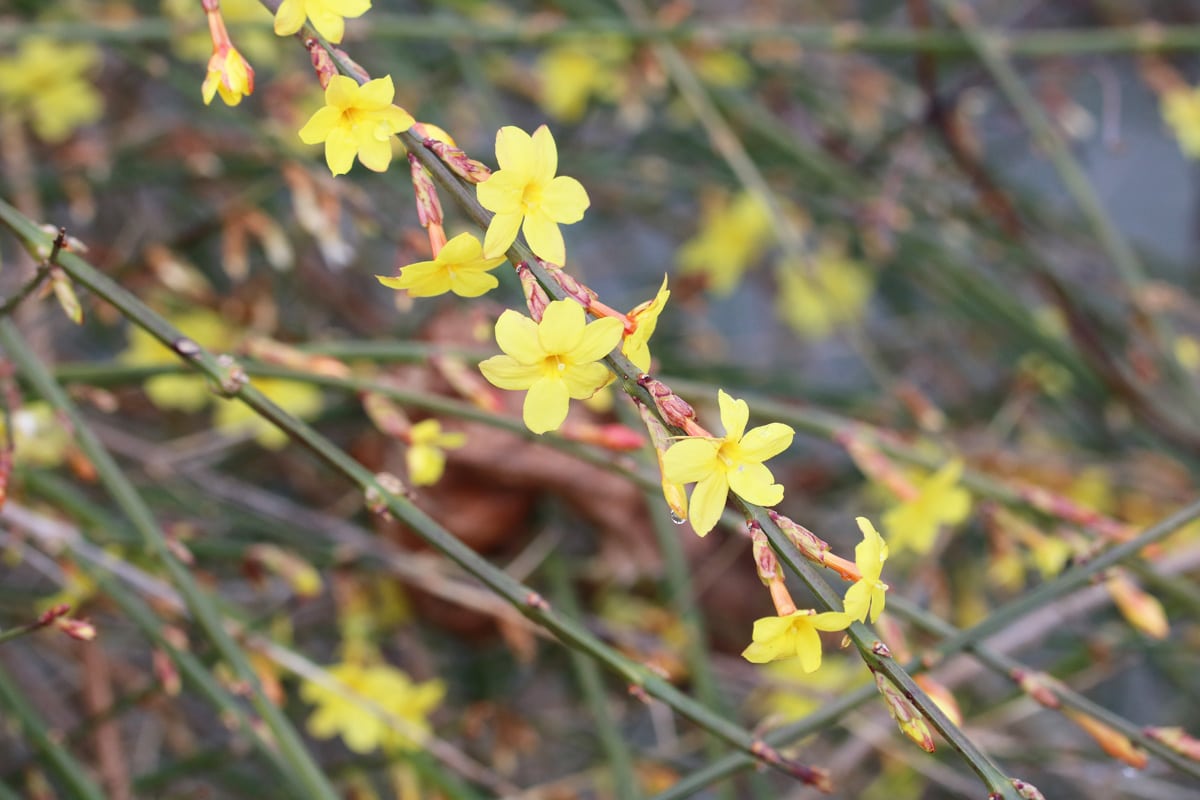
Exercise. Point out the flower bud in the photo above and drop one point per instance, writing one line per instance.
(1037, 685)
(808, 543)
(536, 298)
(459, 162)
(1111, 741)
(1176, 739)
(764, 557)
(1140, 609)
(911, 723)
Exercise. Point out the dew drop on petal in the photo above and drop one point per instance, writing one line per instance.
(678, 520)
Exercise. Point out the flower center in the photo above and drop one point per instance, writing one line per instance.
(553, 367)
(531, 197)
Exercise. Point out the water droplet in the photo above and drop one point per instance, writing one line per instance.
(678, 520)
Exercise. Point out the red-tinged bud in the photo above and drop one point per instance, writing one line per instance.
(52, 613)
(922, 409)
(764, 557)
(274, 352)
(536, 298)
(1065, 509)
(615, 437)
(322, 62)
(574, 289)
(942, 697)
(429, 207)
(808, 543)
(467, 382)
(385, 415)
(1027, 791)
(1111, 741)
(1177, 739)
(355, 69)
(1140, 609)
(1038, 685)
(165, 672)
(874, 464)
(673, 493)
(675, 411)
(911, 723)
(459, 162)
(79, 629)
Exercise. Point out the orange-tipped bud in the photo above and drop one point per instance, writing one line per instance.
(848, 570)
(941, 696)
(1111, 741)
(1177, 739)
(1139, 608)
(615, 437)
(911, 723)
(1038, 685)
(301, 576)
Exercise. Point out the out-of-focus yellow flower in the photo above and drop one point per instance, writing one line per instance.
(46, 82)
(525, 195)
(326, 16)
(458, 267)
(733, 235)
(39, 437)
(637, 344)
(229, 74)
(1181, 111)
(556, 360)
(868, 593)
(571, 74)
(793, 694)
(235, 418)
(178, 392)
(914, 524)
(357, 120)
(816, 296)
(390, 714)
(425, 457)
(722, 68)
(793, 636)
(732, 462)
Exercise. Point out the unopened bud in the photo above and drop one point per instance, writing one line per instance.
(911, 723)
(301, 576)
(764, 557)
(459, 162)
(1177, 739)
(941, 696)
(79, 629)
(266, 349)
(1038, 685)
(1140, 609)
(1027, 791)
(466, 381)
(353, 67)
(574, 289)
(321, 61)
(675, 411)
(808, 543)
(536, 298)
(52, 613)
(1111, 741)
(64, 293)
(386, 415)
(429, 207)
(614, 436)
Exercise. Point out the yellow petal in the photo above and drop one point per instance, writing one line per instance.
(734, 415)
(765, 441)
(517, 336)
(807, 644)
(584, 380)
(472, 283)
(377, 94)
(505, 373)
(544, 237)
(708, 501)
(561, 328)
(290, 17)
(545, 155)
(564, 200)
(320, 124)
(327, 22)
(755, 484)
(501, 233)
(501, 193)
(340, 150)
(375, 155)
(514, 151)
(546, 405)
(690, 460)
(600, 337)
(341, 92)
(462, 248)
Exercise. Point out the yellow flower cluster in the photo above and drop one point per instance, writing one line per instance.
(47, 83)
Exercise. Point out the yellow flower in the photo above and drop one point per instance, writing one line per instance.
(357, 120)
(556, 360)
(571, 74)
(425, 458)
(39, 438)
(235, 418)
(187, 392)
(390, 713)
(817, 296)
(326, 16)
(734, 461)
(46, 83)
(793, 636)
(733, 235)
(868, 593)
(637, 344)
(913, 525)
(229, 74)
(525, 189)
(1181, 112)
(458, 267)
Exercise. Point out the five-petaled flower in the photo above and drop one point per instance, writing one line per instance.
(914, 524)
(636, 346)
(228, 74)
(326, 16)
(357, 120)
(868, 593)
(458, 267)
(734, 461)
(793, 636)
(425, 457)
(556, 360)
(525, 190)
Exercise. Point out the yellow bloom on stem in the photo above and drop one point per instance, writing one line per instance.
(815, 297)
(1181, 112)
(733, 462)
(914, 524)
(47, 83)
(390, 713)
(326, 16)
(868, 593)
(569, 75)
(229, 74)
(793, 636)
(458, 267)
(556, 360)
(425, 459)
(637, 344)
(524, 194)
(357, 120)
(733, 235)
